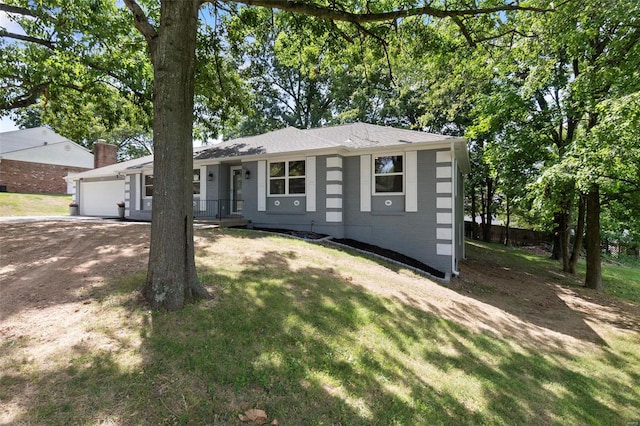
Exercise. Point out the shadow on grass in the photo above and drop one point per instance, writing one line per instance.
(309, 348)
(533, 289)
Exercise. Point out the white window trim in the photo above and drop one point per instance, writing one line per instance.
(286, 177)
(374, 174)
(143, 187)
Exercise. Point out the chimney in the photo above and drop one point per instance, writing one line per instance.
(104, 154)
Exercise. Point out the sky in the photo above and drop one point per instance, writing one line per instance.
(7, 125)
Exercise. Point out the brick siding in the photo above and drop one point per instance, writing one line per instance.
(34, 178)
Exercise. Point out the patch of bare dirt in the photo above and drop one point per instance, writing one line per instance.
(48, 263)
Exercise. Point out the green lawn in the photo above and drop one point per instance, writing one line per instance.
(287, 333)
(34, 204)
(621, 280)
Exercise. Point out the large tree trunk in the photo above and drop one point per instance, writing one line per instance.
(561, 237)
(593, 278)
(171, 277)
(577, 242)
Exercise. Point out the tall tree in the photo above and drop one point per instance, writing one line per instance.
(172, 39)
(172, 277)
(560, 68)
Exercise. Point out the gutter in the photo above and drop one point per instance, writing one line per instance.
(454, 190)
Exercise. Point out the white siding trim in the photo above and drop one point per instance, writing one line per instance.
(262, 186)
(443, 202)
(365, 183)
(334, 175)
(411, 185)
(443, 157)
(334, 216)
(454, 195)
(443, 188)
(139, 190)
(444, 249)
(203, 182)
(334, 162)
(334, 189)
(443, 172)
(443, 219)
(310, 173)
(443, 234)
(334, 203)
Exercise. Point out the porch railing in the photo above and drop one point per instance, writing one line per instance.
(217, 209)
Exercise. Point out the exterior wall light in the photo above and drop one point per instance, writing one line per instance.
(210, 179)
(247, 174)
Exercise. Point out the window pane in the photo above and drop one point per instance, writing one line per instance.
(148, 185)
(392, 164)
(276, 186)
(389, 183)
(196, 175)
(276, 169)
(196, 187)
(296, 185)
(296, 168)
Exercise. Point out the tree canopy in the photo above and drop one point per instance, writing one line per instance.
(546, 94)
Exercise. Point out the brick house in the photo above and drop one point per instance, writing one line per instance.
(37, 161)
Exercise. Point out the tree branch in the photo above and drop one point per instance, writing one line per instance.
(29, 98)
(328, 12)
(142, 24)
(630, 182)
(464, 30)
(17, 10)
(46, 43)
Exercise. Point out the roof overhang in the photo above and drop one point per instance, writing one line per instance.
(461, 154)
(458, 147)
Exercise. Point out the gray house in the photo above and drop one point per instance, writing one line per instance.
(397, 189)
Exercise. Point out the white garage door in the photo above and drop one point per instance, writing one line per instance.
(101, 198)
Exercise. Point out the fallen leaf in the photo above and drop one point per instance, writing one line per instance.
(255, 416)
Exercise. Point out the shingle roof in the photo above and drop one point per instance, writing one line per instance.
(288, 139)
(17, 140)
(363, 135)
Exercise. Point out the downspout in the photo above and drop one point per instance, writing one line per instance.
(454, 190)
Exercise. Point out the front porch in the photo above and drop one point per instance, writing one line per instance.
(224, 213)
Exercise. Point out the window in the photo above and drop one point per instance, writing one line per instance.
(287, 178)
(147, 182)
(196, 181)
(388, 174)
(148, 185)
